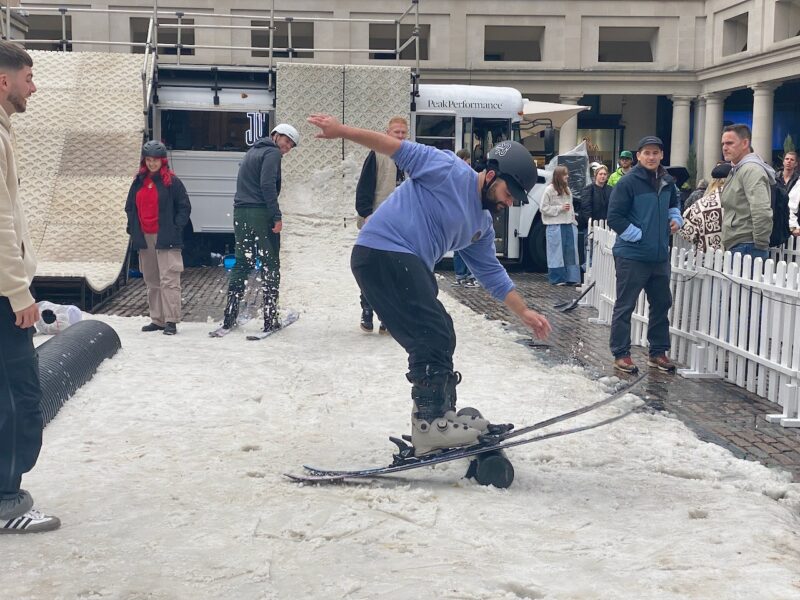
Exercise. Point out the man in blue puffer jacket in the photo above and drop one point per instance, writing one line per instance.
(644, 210)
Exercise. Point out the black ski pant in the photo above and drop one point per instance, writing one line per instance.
(21, 420)
(403, 293)
(633, 276)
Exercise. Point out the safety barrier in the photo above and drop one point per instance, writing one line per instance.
(732, 317)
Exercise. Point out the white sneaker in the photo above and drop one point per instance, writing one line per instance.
(32, 521)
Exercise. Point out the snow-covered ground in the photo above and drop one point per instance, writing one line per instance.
(166, 470)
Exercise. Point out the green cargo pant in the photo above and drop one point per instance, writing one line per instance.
(254, 240)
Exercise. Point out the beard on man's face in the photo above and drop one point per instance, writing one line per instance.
(18, 102)
(489, 200)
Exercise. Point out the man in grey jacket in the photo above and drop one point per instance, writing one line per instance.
(746, 205)
(257, 223)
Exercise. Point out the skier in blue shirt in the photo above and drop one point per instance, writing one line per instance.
(443, 205)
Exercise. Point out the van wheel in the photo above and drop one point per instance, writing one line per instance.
(536, 248)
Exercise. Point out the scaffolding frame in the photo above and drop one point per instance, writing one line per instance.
(152, 45)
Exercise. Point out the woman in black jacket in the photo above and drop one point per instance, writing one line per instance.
(594, 199)
(594, 207)
(158, 209)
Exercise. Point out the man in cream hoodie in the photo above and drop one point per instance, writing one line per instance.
(20, 394)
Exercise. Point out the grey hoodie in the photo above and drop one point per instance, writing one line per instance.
(755, 158)
(259, 181)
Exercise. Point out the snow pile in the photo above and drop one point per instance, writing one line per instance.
(166, 470)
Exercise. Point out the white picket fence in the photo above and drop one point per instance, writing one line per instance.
(724, 323)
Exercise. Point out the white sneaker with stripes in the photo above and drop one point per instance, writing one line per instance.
(32, 521)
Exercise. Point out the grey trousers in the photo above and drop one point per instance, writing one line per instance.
(633, 276)
(161, 270)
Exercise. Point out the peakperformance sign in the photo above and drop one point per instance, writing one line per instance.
(465, 104)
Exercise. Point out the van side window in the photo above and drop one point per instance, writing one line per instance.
(436, 130)
(213, 131)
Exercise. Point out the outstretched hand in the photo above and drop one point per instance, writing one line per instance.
(537, 323)
(330, 127)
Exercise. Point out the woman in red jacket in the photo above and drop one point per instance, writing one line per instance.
(158, 209)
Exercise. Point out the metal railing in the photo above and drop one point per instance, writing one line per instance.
(181, 27)
(152, 45)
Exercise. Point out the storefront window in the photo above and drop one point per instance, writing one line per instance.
(602, 145)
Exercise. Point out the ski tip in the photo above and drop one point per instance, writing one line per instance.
(313, 478)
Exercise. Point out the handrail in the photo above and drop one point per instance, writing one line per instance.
(179, 26)
(152, 45)
(147, 86)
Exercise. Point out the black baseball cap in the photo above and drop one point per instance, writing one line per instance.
(650, 140)
(721, 171)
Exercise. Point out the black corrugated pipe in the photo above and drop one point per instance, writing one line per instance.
(70, 358)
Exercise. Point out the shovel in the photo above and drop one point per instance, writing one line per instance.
(568, 306)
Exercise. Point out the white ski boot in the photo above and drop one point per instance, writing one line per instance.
(469, 417)
(431, 429)
(438, 433)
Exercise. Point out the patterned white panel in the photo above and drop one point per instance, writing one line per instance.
(372, 96)
(69, 207)
(303, 89)
(50, 67)
(88, 243)
(78, 148)
(97, 274)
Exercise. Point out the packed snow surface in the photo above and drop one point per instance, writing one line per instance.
(167, 470)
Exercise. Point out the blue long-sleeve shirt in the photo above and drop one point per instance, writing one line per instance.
(438, 209)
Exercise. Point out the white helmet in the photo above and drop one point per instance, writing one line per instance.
(288, 131)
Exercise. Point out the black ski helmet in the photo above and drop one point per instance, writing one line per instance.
(155, 149)
(512, 161)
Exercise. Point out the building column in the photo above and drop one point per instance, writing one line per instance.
(568, 134)
(679, 151)
(763, 96)
(712, 137)
(699, 134)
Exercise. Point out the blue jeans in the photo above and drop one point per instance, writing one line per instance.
(460, 267)
(749, 248)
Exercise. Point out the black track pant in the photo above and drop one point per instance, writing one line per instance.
(403, 293)
(20, 402)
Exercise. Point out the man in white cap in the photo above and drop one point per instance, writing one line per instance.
(257, 224)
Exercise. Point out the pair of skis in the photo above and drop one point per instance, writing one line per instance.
(403, 462)
(289, 318)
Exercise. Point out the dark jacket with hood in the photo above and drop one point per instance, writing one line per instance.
(173, 213)
(640, 210)
(594, 204)
(259, 181)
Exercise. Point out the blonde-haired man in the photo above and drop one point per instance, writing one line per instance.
(21, 420)
(379, 176)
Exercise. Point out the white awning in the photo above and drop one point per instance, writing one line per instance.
(546, 113)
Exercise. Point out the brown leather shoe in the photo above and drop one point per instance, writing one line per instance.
(626, 365)
(662, 363)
